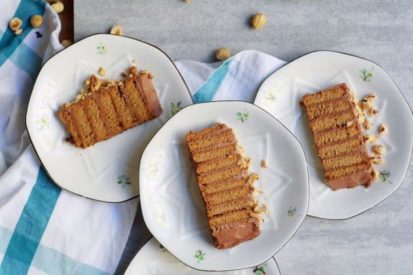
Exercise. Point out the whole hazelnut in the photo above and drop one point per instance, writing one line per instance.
(223, 53)
(258, 21)
(36, 21)
(58, 7)
(15, 24)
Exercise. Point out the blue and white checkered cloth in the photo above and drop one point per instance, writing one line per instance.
(46, 230)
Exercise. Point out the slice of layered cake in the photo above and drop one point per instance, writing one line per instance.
(225, 184)
(107, 107)
(333, 119)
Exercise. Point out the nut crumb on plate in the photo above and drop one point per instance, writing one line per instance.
(378, 149)
(264, 163)
(382, 129)
(101, 71)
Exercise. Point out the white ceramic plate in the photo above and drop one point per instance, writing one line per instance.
(280, 95)
(154, 259)
(171, 202)
(106, 171)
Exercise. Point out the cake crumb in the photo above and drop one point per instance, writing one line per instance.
(264, 163)
(101, 71)
(375, 174)
(369, 139)
(366, 124)
(378, 149)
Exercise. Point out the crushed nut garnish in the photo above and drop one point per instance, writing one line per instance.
(366, 124)
(264, 163)
(101, 71)
(378, 149)
(349, 123)
(382, 129)
(377, 159)
(369, 139)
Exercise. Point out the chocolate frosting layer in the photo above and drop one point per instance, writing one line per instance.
(149, 92)
(229, 235)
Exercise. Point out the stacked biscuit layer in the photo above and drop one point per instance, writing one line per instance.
(333, 120)
(226, 187)
(108, 108)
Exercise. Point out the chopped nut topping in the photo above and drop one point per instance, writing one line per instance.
(66, 43)
(258, 21)
(223, 53)
(372, 112)
(101, 71)
(366, 124)
(349, 123)
(375, 174)
(383, 129)
(264, 163)
(369, 139)
(117, 30)
(15, 24)
(370, 97)
(377, 159)
(36, 21)
(378, 149)
(58, 7)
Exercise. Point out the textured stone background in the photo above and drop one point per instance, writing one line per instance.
(379, 241)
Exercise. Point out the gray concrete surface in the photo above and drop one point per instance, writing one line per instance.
(379, 241)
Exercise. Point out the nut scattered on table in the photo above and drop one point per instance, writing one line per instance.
(58, 7)
(223, 53)
(258, 21)
(117, 30)
(66, 43)
(15, 24)
(101, 71)
(36, 20)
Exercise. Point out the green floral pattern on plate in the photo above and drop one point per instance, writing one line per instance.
(384, 175)
(43, 123)
(123, 179)
(176, 107)
(100, 48)
(292, 211)
(260, 269)
(243, 116)
(366, 75)
(199, 255)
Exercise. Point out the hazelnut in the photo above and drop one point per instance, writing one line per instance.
(366, 124)
(375, 174)
(36, 21)
(258, 21)
(382, 129)
(223, 53)
(370, 97)
(377, 159)
(264, 163)
(101, 71)
(372, 112)
(369, 139)
(378, 149)
(15, 24)
(117, 30)
(17, 32)
(58, 7)
(66, 43)
(349, 123)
